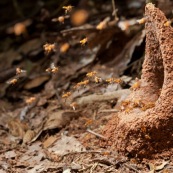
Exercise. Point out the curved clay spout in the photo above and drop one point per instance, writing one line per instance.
(144, 132)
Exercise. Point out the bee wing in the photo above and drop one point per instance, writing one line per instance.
(23, 71)
(52, 65)
(11, 81)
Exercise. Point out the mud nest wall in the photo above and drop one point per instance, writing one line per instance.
(147, 132)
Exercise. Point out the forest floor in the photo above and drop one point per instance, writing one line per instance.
(61, 81)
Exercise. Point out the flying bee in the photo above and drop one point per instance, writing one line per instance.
(125, 104)
(168, 23)
(19, 71)
(110, 80)
(147, 137)
(67, 8)
(60, 19)
(97, 79)
(141, 21)
(84, 41)
(128, 110)
(147, 106)
(119, 81)
(66, 95)
(113, 80)
(73, 105)
(12, 81)
(82, 83)
(91, 74)
(136, 85)
(64, 47)
(49, 70)
(30, 100)
(52, 69)
(102, 25)
(48, 48)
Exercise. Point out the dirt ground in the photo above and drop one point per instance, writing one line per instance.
(65, 69)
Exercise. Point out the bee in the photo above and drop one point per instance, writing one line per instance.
(97, 79)
(68, 8)
(113, 80)
(52, 69)
(137, 103)
(48, 48)
(102, 25)
(136, 85)
(168, 23)
(88, 121)
(125, 104)
(60, 19)
(30, 100)
(12, 81)
(110, 80)
(84, 41)
(141, 21)
(19, 28)
(64, 48)
(66, 95)
(82, 83)
(119, 81)
(73, 105)
(19, 71)
(147, 137)
(127, 110)
(91, 74)
(147, 106)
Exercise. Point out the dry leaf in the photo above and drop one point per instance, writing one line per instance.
(30, 46)
(66, 145)
(60, 118)
(29, 135)
(10, 154)
(49, 141)
(37, 81)
(160, 167)
(17, 128)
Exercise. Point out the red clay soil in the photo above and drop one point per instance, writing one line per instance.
(147, 132)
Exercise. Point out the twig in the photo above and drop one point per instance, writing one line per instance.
(108, 111)
(100, 98)
(96, 134)
(130, 167)
(115, 10)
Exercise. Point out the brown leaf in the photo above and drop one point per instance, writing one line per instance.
(37, 81)
(29, 135)
(17, 128)
(49, 141)
(60, 118)
(160, 167)
(30, 46)
(66, 145)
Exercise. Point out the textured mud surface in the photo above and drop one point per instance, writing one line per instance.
(146, 130)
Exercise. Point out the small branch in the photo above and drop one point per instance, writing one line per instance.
(96, 134)
(115, 10)
(130, 167)
(108, 111)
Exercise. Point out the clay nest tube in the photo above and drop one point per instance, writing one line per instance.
(145, 127)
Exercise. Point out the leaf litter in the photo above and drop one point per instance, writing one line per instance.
(55, 134)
